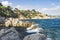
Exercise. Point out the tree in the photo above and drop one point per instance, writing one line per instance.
(9, 8)
(16, 10)
(33, 10)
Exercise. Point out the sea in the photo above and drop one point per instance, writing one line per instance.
(52, 26)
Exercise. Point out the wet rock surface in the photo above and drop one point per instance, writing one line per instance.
(36, 36)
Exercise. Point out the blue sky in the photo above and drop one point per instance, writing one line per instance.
(50, 7)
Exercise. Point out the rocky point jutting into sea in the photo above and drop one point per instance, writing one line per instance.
(15, 29)
(15, 22)
(12, 34)
(31, 21)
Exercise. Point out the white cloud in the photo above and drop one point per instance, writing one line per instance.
(18, 6)
(6, 3)
(24, 7)
(53, 10)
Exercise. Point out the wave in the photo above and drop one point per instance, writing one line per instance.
(36, 29)
(48, 39)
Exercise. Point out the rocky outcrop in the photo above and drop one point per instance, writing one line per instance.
(12, 34)
(9, 34)
(36, 36)
(17, 23)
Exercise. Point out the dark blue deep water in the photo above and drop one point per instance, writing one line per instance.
(52, 26)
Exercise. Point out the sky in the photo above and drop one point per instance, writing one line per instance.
(50, 7)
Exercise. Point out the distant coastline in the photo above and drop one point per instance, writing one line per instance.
(7, 12)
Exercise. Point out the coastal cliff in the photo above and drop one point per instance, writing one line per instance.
(7, 12)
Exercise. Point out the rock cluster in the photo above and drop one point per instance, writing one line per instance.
(17, 23)
(9, 34)
(12, 34)
(36, 34)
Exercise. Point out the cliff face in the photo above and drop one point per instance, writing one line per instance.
(17, 23)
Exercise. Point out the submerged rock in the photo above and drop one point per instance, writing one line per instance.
(9, 34)
(36, 36)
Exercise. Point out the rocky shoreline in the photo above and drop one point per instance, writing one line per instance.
(15, 22)
(15, 29)
(13, 34)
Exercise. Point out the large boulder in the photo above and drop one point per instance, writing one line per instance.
(36, 36)
(7, 23)
(9, 34)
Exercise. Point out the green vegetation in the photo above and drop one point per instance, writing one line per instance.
(6, 11)
(15, 13)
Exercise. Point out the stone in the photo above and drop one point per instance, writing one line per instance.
(36, 36)
(2, 20)
(17, 23)
(9, 34)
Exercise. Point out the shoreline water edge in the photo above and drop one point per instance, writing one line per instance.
(10, 33)
(28, 30)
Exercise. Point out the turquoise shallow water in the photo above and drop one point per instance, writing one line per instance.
(52, 26)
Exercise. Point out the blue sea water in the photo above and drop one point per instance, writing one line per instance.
(52, 26)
